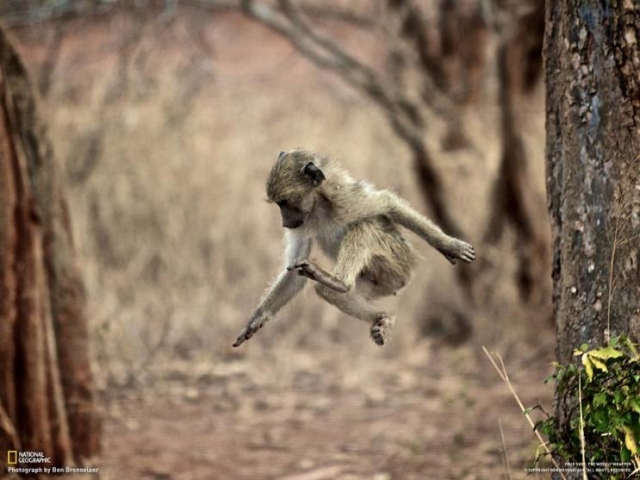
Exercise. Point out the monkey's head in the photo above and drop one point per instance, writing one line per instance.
(292, 184)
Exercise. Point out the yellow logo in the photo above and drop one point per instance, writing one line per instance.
(12, 457)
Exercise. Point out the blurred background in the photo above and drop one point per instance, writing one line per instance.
(166, 118)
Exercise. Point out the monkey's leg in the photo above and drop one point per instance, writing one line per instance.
(356, 306)
(310, 270)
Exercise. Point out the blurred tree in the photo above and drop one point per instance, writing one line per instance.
(593, 170)
(46, 387)
(514, 201)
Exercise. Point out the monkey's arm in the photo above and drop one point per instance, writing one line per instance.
(286, 286)
(403, 214)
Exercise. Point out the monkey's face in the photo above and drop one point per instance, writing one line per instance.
(292, 186)
(292, 216)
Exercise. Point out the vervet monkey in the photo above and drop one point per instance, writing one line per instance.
(355, 224)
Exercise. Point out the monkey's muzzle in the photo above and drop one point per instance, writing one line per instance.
(292, 223)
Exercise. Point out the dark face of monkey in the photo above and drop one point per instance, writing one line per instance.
(292, 217)
(291, 184)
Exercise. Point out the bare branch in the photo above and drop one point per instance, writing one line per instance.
(328, 55)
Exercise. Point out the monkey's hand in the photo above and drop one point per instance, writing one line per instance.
(308, 269)
(257, 321)
(458, 250)
(380, 330)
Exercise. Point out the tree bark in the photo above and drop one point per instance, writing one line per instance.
(46, 390)
(592, 62)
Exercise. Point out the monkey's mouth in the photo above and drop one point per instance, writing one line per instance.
(292, 224)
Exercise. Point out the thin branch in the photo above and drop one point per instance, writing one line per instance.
(582, 441)
(328, 55)
(505, 453)
(323, 12)
(502, 372)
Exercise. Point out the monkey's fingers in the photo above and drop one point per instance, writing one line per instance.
(307, 269)
(244, 335)
(256, 323)
(468, 254)
(247, 332)
(303, 264)
(460, 251)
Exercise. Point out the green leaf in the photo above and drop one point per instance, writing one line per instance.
(630, 440)
(588, 366)
(606, 353)
(600, 399)
(632, 348)
(618, 397)
(625, 455)
(579, 351)
(597, 362)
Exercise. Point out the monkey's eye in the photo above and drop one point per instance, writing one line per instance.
(282, 203)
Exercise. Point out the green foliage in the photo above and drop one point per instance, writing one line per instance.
(610, 382)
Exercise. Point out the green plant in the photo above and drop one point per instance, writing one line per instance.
(604, 417)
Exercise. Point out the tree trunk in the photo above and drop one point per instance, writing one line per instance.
(592, 62)
(46, 388)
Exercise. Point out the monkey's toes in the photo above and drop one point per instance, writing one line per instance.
(381, 330)
(469, 254)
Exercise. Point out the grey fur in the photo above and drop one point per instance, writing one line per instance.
(355, 224)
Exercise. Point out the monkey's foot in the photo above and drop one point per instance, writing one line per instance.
(381, 329)
(308, 269)
(459, 250)
(255, 324)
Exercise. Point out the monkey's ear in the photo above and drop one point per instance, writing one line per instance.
(280, 155)
(313, 173)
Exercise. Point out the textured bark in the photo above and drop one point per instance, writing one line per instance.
(46, 392)
(592, 62)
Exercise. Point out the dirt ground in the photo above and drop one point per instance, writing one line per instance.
(432, 414)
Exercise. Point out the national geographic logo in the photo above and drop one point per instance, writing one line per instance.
(15, 457)
(35, 463)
